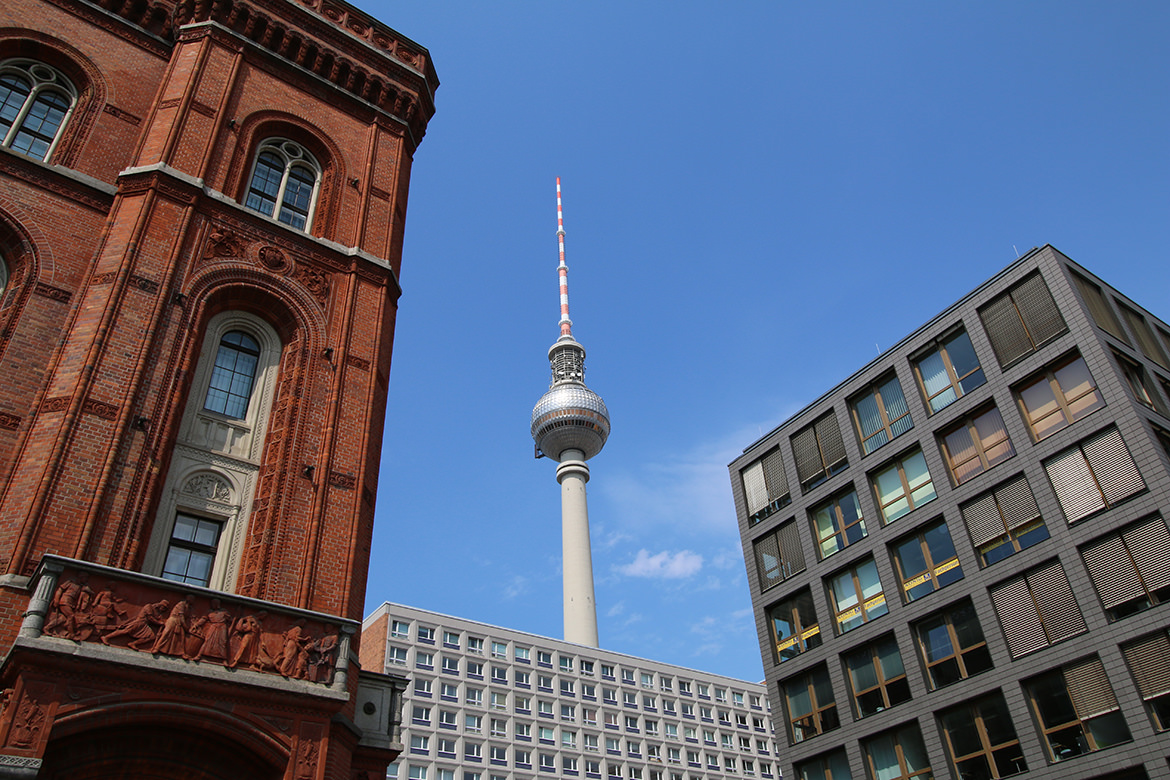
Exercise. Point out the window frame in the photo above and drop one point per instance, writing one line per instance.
(934, 572)
(861, 608)
(797, 608)
(898, 465)
(1037, 609)
(976, 723)
(824, 436)
(1142, 546)
(1051, 375)
(889, 427)
(1102, 453)
(42, 79)
(956, 384)
(1012, 505)
(898, 737)
(840, 531)
(983, 447)
(891, 688)
(1092, 687)
(821, 716)
(293, 155)
(968, 659)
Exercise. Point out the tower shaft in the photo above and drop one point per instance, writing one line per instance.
(580, 607)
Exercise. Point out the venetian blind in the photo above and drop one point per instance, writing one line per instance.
(1089, 688)
(1099, 308)
(1147, 660)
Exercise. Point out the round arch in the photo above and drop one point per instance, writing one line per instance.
(157, 740)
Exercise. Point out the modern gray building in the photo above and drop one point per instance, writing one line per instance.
(959, 556)
(492, 703)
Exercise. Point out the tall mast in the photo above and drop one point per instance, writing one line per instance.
(570, 424)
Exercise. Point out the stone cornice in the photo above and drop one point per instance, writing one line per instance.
(66, 182)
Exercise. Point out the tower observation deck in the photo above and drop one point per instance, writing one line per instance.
(570, 424)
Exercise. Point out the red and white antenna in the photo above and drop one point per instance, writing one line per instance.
(562, 269)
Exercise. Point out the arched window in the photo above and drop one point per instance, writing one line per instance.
(233, 375)
(35, 102)
(284, 184)
(198, 536)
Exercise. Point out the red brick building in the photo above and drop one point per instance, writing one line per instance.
(201, 218)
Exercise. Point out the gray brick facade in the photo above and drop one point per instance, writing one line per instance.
(1101, 514)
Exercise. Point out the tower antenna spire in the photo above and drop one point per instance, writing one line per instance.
(562, 269)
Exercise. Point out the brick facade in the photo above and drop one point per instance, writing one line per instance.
(120, 248)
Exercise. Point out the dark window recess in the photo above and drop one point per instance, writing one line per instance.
(1005, 520)
(1021, 320)
(1096, 474)
(1131, 568)
(819, 452)
(1037, 609)
(765, 487)
(778, 555)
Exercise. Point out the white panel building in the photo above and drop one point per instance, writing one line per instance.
(491, 703)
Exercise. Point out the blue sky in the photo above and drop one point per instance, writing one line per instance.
(759, 197)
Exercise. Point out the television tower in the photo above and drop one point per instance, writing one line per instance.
(570, 425)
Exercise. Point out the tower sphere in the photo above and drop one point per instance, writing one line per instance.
(570, 416)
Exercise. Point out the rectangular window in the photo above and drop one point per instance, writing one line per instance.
(1037, 609)
(1146, 340)
(543, 658)
(523, 731)
(543, 682)
(426, 634)
(523, 759)
(1021, 320)
(857, 596)
(609, 695)
(522, 654)
(1099, 309)
(629, 698)
(450, 639)
(566, 687)
(194, 541)
(499, 649)
(565, 663)
(1131, 567)
(499, 701)
(812, 710)
(903, 486)
(880, 414)
(422, 686)
(523, 705)
(977, 443)
(1147, 661)
(794, 627)
(474, 645)
(948, 370)
(421, 715)
(417, 772)
(765, 487)
(568, 712)
(953, 645)
(607, 671)
(475, 670)
(1139, 383)
(396, 655)
(472, 750)
(897, 755)
(499, 675)
(587, 668)
(981, 740)
(1003, 521)
(1077, 710)
(499, 753)
(473, 723)
(544, 707)
(830, 766)
(628, 676)
(1096, 474)
(838, 523)
(1059, 397)
(778, 555)
(646, 679)
(399, 629)
(877, 677)
(420, 744)
(446, 719)
(926, 561)
(523, 678)
(450, 664)
(819, 451)
(499, 727)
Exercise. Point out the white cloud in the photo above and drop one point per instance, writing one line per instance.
(663, 565)
(517, 586)
(616, 609)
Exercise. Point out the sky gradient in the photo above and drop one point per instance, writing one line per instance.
(759, 198)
